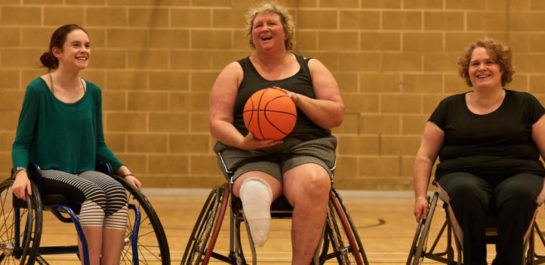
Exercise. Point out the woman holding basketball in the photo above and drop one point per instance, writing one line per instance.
(299, 166)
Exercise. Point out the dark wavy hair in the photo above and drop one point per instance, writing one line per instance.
(498, 51)
(57, 40)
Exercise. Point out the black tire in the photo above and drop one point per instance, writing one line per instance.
(349, 227)
(151, 242)
(19, 240)
(204, 235)
(412, 251)
(341, 235)
(418, 247)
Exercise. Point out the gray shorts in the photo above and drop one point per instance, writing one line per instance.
(276, 160)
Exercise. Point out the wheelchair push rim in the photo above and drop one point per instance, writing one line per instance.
(340, 240)
(145, 241)
(201, 243)
(20, 226)
(419, 244)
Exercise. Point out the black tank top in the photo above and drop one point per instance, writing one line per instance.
(300, 83)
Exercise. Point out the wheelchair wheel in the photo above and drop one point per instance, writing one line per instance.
(145, 240)
(205, 232)
(418, 246)
(340, 235)
(20, 226)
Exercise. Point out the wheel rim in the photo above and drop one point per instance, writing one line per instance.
(199, 248)
(18, 239)
(151, 243)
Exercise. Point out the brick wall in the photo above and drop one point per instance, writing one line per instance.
(156, 62)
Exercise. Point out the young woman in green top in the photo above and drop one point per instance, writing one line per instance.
(60, 129)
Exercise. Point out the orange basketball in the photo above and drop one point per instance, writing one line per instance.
(270, 114)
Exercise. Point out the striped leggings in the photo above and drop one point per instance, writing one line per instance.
(103, 199)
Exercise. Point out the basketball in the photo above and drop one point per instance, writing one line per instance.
(270, 114)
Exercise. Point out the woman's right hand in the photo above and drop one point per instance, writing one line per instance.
(21, 185)
(420, 208)
(251, 143)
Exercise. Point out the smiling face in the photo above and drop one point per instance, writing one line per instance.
(268, 31)
(76, 50)
(483, 70)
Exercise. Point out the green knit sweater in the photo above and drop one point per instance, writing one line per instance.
(58, 135)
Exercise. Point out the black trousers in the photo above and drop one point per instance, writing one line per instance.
(513, 200)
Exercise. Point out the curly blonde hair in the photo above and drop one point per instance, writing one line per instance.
(285, 18)
(498, 51)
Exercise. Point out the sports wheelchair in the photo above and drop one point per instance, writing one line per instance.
(340, 239)
(21, 225)
(453, 255)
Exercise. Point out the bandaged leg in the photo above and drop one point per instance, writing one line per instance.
(256, 196)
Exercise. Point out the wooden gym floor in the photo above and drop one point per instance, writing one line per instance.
(384, 219)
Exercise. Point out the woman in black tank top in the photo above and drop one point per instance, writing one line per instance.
(298, 166)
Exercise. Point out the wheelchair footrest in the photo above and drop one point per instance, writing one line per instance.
(230, 260)
(58, 250)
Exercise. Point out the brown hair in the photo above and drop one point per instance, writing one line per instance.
(285, 18)
(57, 40)
(498, 51)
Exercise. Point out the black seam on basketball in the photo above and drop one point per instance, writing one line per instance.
(272, 99)
(273, 125)
(251, 113)
(265, 110)
(258, 123)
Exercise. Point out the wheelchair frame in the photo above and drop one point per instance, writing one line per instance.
(147, 247)
(419, 249)
(345, 248)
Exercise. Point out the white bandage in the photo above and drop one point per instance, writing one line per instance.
(256, 196)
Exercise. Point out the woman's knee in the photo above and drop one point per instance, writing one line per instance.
(319, 182)
(461, 186)
(116, 197)
(94, 207)
(274, 184)
(523, 188)
(313, 183)
(97, 195)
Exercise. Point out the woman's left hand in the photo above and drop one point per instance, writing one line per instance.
(290, 94)
(124, 171)
(134, 181)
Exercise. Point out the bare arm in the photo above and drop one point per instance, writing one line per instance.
(432, 140)
(327, 110)
(538, 135)
(222, 104)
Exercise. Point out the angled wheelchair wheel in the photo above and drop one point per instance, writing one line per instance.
(145, 241)
(419, 245)
(201, 243)
(20, 226)
(537, 239)
(340, 240)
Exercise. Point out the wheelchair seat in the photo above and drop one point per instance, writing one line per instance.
(280, 208)
(453, 255)
(145, 241)
(340, 239)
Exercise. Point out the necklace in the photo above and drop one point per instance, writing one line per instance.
(53, 87)
(480, 106)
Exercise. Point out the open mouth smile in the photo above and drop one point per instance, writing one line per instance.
(481, 76)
